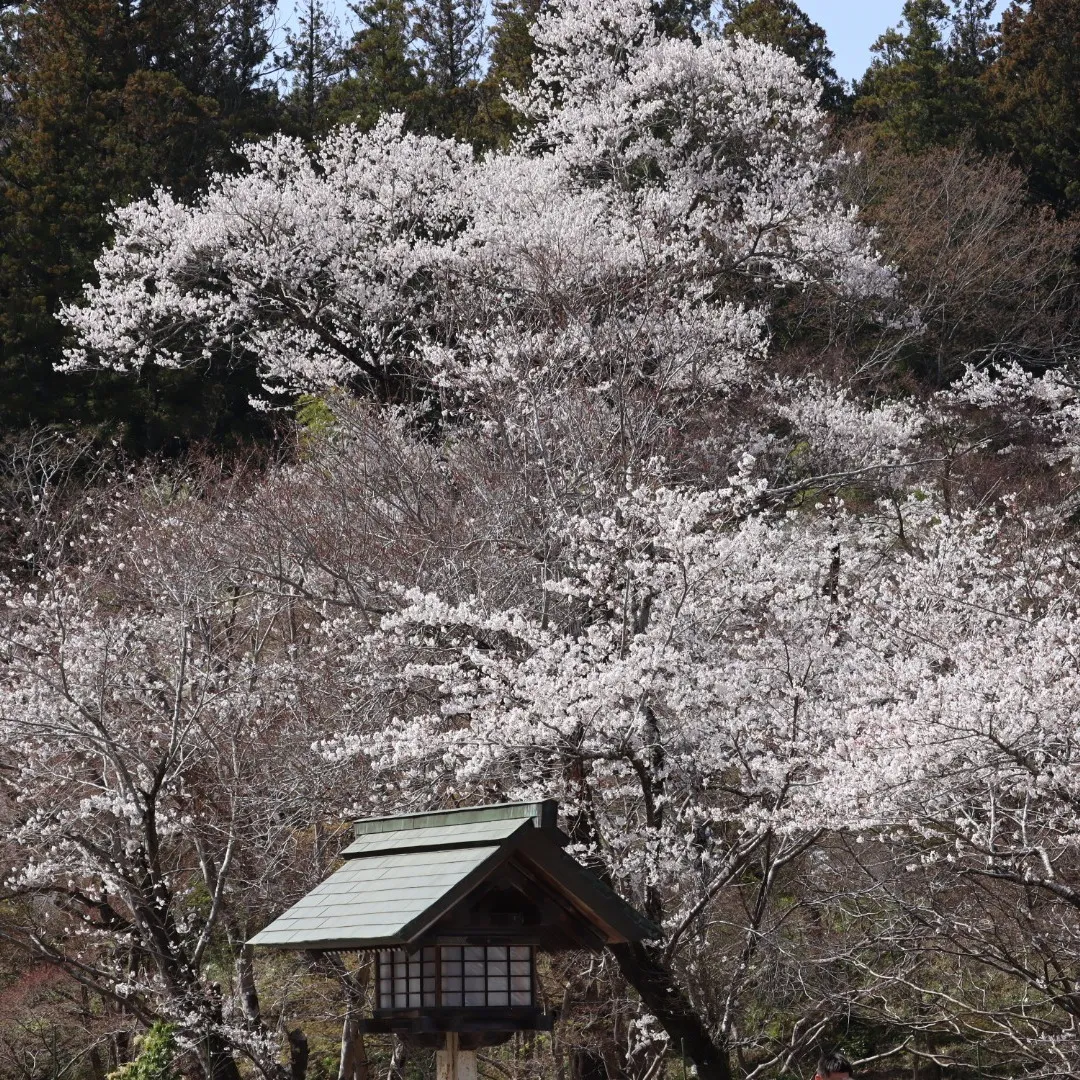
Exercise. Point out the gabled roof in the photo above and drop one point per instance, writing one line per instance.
(403, 874)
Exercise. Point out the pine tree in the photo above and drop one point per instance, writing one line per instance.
(104, 100)
(972, 48)
(450, 46)
(512, 47)
(451, 36)
(1034, 86)
(973, 41)
(314, 56)
(381, 68)
(923, 88)
(510, 67)
(681, 18)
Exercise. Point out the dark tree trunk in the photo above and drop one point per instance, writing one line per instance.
(298, 1054)
(97, 1064)
(219, 1063)
(587, 1065)
(120, 1045)
(245, 980)
(664, 998)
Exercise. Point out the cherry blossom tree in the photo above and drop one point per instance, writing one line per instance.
(719, 692)
(962, 751)
(662, 181)
(569, 532)
(147, 715)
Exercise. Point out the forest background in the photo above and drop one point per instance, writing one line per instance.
(104, 103)
(825, 610)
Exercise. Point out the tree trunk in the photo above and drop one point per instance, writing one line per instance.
(245, 980)
(664, 998)
(97, 1062)
(353, 1063)
(298, 1054)
(587, 1065)
(218, 1062)
(398, 1059)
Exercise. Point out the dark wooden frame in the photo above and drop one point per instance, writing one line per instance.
(386, 981)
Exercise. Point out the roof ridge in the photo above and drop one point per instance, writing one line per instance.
(393, 841)
(544, 814)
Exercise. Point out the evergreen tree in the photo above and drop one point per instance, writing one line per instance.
(972, 48)
(904, 89)
(450, 45)
(104, 100)
(973, 40)
(784, 25)
(681, 18)
(923, 87)
(510, 66)
(381, 68)
(1034, 86)
(314, 56)
(451, 37)
(512, 47)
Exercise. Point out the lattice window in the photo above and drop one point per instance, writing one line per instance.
(456, 976)
(406, 981)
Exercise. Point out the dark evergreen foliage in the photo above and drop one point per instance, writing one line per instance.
(314, 57)
(104, 100)
(1035, 90)
(924, 87)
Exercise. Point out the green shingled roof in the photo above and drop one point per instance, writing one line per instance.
(402, 874)
(372, 899)
(541, 814)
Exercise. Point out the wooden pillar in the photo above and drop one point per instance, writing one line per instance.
(453, 1063)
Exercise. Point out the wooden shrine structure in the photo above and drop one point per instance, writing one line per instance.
(455, 905)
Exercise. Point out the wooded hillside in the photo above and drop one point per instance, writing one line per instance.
(597, 401)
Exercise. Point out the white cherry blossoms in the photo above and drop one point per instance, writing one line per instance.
(661, 179)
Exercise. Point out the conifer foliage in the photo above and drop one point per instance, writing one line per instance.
(923, 87)
(103, 100)
(1036, 92)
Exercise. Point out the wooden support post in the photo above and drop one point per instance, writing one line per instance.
(453, 1063)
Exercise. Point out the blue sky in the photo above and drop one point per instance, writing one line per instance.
(853, 26)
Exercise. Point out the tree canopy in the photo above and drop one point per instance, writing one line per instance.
(924, 86)
(1034, 86)
(785, 26)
